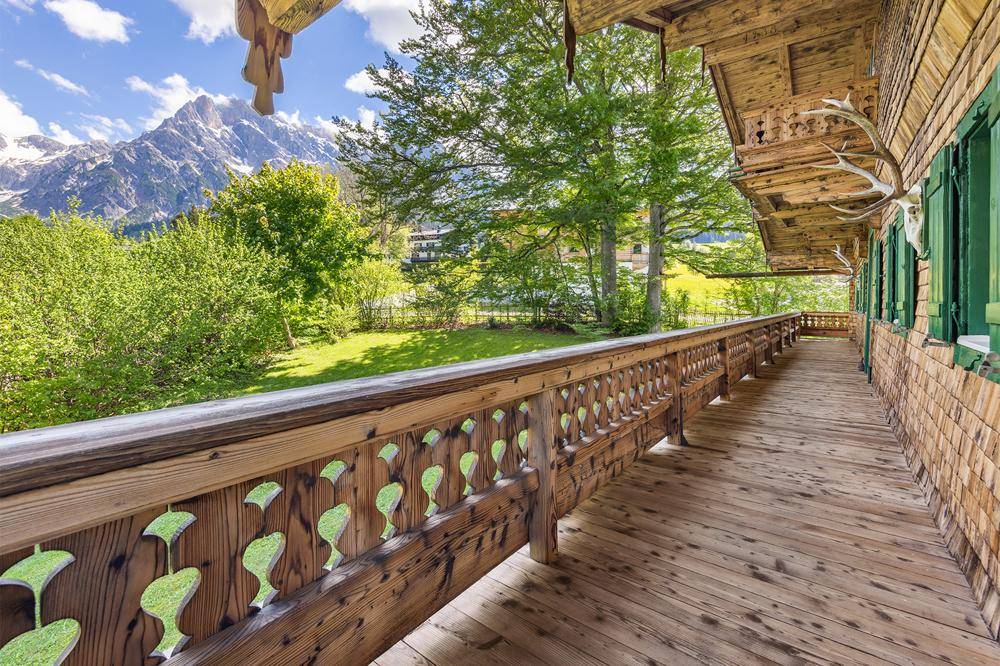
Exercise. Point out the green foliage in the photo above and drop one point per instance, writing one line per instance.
(363, 288)
(632, 316)
(95, 325)
(761, 296)
(297, 215)
(339, 321)
(444, 287)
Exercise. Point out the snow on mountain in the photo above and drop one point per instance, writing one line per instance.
(140, 183)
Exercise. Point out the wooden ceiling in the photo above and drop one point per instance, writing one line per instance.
(770, 60)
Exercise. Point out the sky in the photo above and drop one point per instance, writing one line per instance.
(79, 70)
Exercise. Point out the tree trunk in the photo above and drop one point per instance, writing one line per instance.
(654, 281)
(289, 338)
(592, 281)
(609, 271)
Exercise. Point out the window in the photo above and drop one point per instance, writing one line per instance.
(978, 297)
(905, 289)
(962, 223)
(637, 249)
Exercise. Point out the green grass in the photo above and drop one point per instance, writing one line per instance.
(367, 354)
(360, 355)
(705, 292)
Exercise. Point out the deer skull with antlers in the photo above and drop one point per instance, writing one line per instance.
(894, 192)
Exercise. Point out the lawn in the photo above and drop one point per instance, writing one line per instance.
(705, 292)
(367, 354)
(360, 355)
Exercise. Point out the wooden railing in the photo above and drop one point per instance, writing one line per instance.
(373, 501)
(826, 324)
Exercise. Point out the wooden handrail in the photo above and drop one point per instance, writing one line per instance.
(510, 444)
(826, 324)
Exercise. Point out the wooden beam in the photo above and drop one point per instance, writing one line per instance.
(720, 20)
(787, 32)
(774, 274)
(785, 63)
(542, 528)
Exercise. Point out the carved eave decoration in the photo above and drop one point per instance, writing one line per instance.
(268, 25)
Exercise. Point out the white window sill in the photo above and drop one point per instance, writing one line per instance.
(979, 343)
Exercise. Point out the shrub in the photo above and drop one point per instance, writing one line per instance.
(96, 325)
(339, 321)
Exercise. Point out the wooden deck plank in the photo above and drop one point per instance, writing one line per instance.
(789, 531)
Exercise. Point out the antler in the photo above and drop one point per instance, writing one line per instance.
(847, 264)
(890, 192)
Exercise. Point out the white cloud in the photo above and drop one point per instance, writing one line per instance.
(13, 120)
(23, 5)
(62, 135)
(289, 118)
(102, 128)
(389, 21)
(210, 19)
(366, 117)
(327, 126)
(58, 80)
(172, 93)
(87, 19)
(361, 82)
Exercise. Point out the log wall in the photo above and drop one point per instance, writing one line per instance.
(934, 57)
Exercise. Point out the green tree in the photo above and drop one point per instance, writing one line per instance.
(297, 215)
(484, 135)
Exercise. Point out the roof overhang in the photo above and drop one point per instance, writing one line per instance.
(770, 60)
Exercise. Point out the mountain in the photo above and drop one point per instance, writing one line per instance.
(139, 183)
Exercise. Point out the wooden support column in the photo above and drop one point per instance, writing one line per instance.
(675, 415)
(781, 337)
(542, 531)
(727, 366)
(769, 350)
(754, 361)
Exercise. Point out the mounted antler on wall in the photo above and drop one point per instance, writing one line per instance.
(896, 192)
(851, 272)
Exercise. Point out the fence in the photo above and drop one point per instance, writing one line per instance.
(381, 498)
(389, 317)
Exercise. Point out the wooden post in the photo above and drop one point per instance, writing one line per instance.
(675, 415)
(781, 337)
(769, 350)
(542, 529)
(727, 369)
(754, 361)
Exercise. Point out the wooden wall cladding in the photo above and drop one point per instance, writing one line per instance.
(933, 57)
(948, 422)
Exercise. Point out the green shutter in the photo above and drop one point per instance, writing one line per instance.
(938, 221)
(993, 307)
(890, 274)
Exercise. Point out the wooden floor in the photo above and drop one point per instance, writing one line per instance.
(789, 531)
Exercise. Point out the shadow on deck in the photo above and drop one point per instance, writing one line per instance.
(789, 531)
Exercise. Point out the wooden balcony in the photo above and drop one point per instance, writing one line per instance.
(590, 504)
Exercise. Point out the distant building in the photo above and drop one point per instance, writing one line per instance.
(427, 244)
